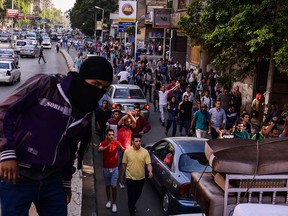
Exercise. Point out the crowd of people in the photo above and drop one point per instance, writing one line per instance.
(178, 93)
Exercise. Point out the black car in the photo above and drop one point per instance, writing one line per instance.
(142, 50)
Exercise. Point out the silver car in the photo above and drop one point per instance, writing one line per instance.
(9, 55)
(9, 72)
(46, 43)
(173, 160)
(127, 95)
(30, 51)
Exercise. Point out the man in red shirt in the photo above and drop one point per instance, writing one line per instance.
(142, 125)
(110, 148)
(124, 135)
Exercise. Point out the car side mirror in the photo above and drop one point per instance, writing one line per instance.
(18, 67)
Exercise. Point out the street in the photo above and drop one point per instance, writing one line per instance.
(150, 202)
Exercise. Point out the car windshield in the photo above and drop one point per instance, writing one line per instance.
(193, 162)
(4, 65)
(129, 94)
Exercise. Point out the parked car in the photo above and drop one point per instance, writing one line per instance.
(19, 44)
(9, 55)
(127, 95)
(173, 160)
(142, 50)
(46, 43)
(9, 72)
(4, 37)
(29, 51)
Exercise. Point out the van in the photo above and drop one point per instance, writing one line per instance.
(19, 44)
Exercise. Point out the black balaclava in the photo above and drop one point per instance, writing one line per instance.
(84, 96)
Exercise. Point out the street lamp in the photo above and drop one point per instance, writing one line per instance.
(102, 20)
(136, 27)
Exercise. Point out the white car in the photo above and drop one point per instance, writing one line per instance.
(9, 72)
(46, 43)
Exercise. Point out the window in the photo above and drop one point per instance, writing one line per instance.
(158, 151)
(129, 94)
(193, 162)
(4, 65)
(165, 152)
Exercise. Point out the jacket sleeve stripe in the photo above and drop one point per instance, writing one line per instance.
(7, 155)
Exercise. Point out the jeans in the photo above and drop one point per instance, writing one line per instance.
(186, 125)
(214, 134)
(48, 196)
(134, 190)
(149, 89)
(174, 124)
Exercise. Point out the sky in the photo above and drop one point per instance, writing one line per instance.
(63, 5)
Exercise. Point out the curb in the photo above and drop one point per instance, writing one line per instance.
(69, 60)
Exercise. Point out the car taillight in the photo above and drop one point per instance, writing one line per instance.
(8, 73)
(184, 190)
(114, 106)
(146, 107)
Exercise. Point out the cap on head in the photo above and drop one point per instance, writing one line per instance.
(259, 96)
(96, 67)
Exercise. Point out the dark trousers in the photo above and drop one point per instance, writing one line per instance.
(186, 124)
(174, 124)
(101, 135)
(214, 134)
(149, 89)
(40, 58)
(134, 190)
(48, 196)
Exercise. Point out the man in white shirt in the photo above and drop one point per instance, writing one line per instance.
(189, 94)
(163, 96)
(206, 99)
(123, 76)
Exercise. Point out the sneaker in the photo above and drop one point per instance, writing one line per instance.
(108, 204)
(114, 208)
(121, 185)
(166, 132)
(163, 124)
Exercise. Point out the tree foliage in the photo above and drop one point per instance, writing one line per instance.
(240, 33)
(82, 15)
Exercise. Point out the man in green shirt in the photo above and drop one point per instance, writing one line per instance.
(240, 132)
(264, 132)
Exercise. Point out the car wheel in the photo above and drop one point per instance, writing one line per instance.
(166, 207)
(13, 81)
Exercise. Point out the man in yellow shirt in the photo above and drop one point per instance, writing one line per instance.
(133, 163)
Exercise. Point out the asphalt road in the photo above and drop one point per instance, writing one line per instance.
(93, 197)
(149, 204)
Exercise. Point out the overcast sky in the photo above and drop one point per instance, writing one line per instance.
(63, 5)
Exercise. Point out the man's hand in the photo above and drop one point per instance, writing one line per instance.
(150, 175)
(68, 195)
(9, 171)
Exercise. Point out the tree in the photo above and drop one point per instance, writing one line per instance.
(240, 34)
(82, 15)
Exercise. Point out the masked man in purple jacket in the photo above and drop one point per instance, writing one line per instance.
(41, 124)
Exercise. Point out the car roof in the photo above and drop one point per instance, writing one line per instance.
(124, 86)
(1, 61)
